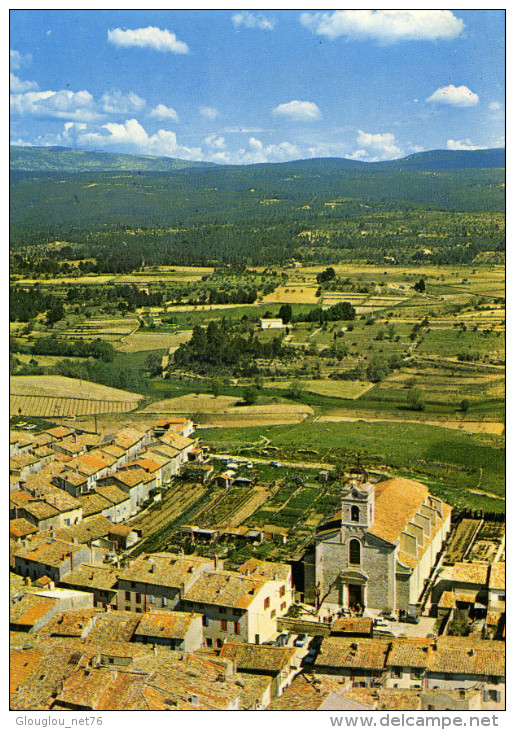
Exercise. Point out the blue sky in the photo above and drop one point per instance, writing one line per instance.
(247, 86)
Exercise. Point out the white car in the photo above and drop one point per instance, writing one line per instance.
(250, 465)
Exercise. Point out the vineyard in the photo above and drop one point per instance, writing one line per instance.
(45, 407)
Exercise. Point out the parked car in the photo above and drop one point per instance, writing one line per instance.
(381, 622)
(310, 657)
(301, 640)
(387, 614)
(275, 463)
(250, 465)
(409, 618)
(283, 638)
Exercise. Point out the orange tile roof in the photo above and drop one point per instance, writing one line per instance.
(166, 624)
(21, 527)
(30, 609)
(59, 432)
(396, 503)
(470, 573)
(265, 569)
(497, 579)
(22, 663)
(225, 588)
(353, 653)
(257, 657)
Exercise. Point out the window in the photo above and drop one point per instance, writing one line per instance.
(355, 552)
(165, 601)
(272, 613)
(138, 597)
(267, 603)
(282, 591)
(223, 625)
(205, 620)
(127, 596)
(209, 643)
(354, 513)
(219, 643)
(151, 599)
(222, 609)
(236, 627)
(397, 672)
(416, 673)
(283, 606)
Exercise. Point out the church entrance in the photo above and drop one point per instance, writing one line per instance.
(355, 595)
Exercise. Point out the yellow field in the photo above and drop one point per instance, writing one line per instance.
(144, 340)
(47, 407)
(191, 403)
(57, 386)
(302, 294)
(333, 388)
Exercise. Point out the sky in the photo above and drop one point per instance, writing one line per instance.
(247, 86)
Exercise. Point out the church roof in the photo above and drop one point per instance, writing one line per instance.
(397, 501)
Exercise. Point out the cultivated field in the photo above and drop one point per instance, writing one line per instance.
(292, 295)
(144, 340)
(53, 395)
(347, 389)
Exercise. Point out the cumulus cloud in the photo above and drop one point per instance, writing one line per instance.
(18, 86)
(209, 112)
(70, 105)
(384, 145)
(132, 137)
(215, 142)
(495, 106)
(115, 102)
(454, 96)
(463, 144)
(164, 112)
(253, 20)
(385, 26)
(17, 59)
(150, 37)
(301, 111)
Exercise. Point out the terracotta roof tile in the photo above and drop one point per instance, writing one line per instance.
(362, 653)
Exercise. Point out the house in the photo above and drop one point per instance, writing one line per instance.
(271, 324)
(381, 547)
(235, 607)
(173, 629)
(120, 501)
(24, 464)
(173, 465)
(35, 610)
(95, 504)
(279, 663)
(73, 482)
(40, 556)
(280, 576)
(20, 528)
(352, 626)
(19, 443)
(158, 580)
(132, 440)
(53, 509)
(361, 661)
(187, 448)
(98, 579)
(182, 426)
(134, 481)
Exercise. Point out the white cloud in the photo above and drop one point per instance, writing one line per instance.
(150, 37)
(298, 110)
(17, 59)
(132, 137)
(385, 26)
(164, 112)
(463, 144)
(384, 145)
(454, 96)
(20, 143)
(114, 102)
(18, 86)
(495, 106)
(253, 20)
(215, 142)
(70, 105)
(209, 112)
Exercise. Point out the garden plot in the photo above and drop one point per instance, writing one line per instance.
(460, 541)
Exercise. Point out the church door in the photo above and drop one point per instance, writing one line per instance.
(355, 595)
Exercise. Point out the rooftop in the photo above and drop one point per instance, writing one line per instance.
(353, 653)
(225, 588)
(163, 569)
(497, 578)
(257, 657)
(88, 575)
(265, 569)
(470, 573)
(165, 624)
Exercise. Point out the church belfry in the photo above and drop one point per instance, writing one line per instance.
(358, 505)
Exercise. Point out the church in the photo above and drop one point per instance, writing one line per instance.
(380, 549)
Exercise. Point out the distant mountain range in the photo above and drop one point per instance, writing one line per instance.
(62, 159)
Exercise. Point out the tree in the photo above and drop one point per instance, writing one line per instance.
(464, 405)
(416, 399)
(216, 386)
(154, 363)
(420, 286)
(377, 369)
(285, 313)
(250, 395)
(296, 389)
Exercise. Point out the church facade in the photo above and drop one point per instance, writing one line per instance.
(382, 547)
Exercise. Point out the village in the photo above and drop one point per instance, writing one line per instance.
(388, 603)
